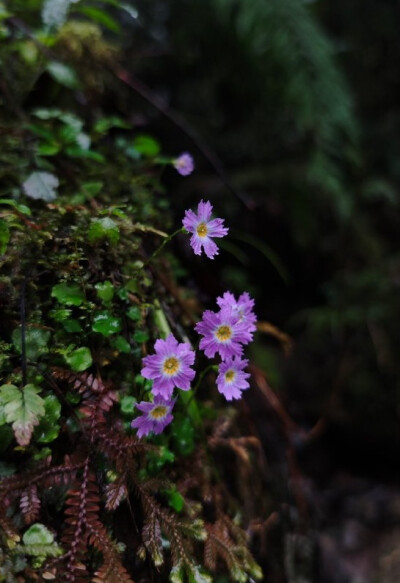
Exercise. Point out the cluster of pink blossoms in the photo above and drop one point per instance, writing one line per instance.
(225, 332)
(168, 368)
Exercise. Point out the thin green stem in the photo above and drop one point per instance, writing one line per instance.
(199, 381)
(161, 247)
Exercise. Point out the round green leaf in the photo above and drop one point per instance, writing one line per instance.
(104, 228)
(80, 359)
(146, 145)
(141, 336)
(128, 404)
(70, 295)
(37, 534)
(134, 313)
(105, 291)
(105, 323)
(121, 344)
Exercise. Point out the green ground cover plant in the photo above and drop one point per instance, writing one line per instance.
(87, 287)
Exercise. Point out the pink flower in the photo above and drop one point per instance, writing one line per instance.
(203, 229)
(184, 164)
(223, 333)
(156, 416)
(231, 380)
(242, 308)
(169, 367)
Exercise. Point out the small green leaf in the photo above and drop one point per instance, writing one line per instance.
(23, 409)
(100, 16)
(105, 291)
(48, 149)
(60, 314)
(127, 404)
(36, 341)
(39, 542)
(76, 152)
(38, 534)
(72, 326)
(79, 359)
(48, 428)
(158, 459)
(103, 125)
(175, 499)
(141, 336)
(134, 313)
(91, 188)
(121, 344)
(146, 145)
(70, 295)
(105, 323)
(4, 236)
(63, 74)
(21, 208)
(104, 228)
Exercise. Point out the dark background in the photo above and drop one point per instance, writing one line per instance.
(298, 103)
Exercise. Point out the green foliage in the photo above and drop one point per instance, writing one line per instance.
(82, 213)
(79, 359)
(36, 341)
(105, 323)
(105, 291)
(38, 541)
(104, 228)
(4, 236)
(22, 408)
(70, 295)
(48, 427)
(146, 145)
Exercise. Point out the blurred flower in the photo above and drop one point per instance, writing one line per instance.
(242, 308)
(231, 380)
(156, 416)
(169, 367)
(223, 333)
(184, 164)
(203, 228)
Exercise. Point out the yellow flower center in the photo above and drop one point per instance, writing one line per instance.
(202, 230)
(230, 376)
(158, 412)
(171, 365)
(223, 333)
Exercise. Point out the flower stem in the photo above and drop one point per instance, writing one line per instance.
(161, 247)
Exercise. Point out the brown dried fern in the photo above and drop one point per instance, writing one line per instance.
(30, 504)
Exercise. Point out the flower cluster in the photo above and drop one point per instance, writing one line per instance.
(224, 332)
(168, 368)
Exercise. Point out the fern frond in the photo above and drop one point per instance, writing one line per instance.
(227, 542)
(112, 570)
(30, 504)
